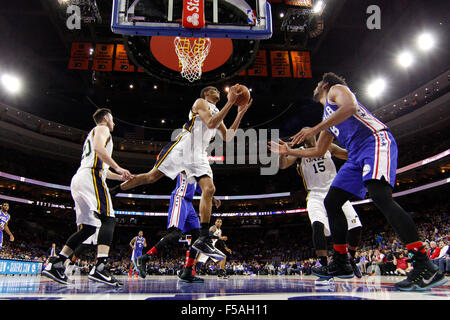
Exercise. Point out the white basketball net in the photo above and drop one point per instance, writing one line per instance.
(191, 56)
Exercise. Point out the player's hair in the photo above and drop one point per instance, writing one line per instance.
(332, 79)
(5, 203)
(219, 219)
(99, 114)
(202, 93)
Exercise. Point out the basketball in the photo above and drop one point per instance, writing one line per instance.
(244, 97)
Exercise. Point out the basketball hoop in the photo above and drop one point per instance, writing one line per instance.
(191, 55)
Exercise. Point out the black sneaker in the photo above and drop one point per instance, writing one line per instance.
(185, 275)
(340, 267)
(101, 274)
(204, 245)
(56, 271)
(141, 265)
(424, 276)
(356, 270)
(221, 274)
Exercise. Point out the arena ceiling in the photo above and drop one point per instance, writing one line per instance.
(35, 44)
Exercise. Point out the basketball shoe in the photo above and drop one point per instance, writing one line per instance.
(355, 268)
(222, 274)
(141, 265)
(185, 275)
(424, 276)
(204, 245)
(340, 267)
(55, 270)
(101, 274)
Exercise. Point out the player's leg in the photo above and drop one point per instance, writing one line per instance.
(56, 268)
(140, 179)
(425, 274)
(353, 235)
(380, 182)
(319, 224)
(204, 243)
(175, 222)
(100, 272)
(191, 226)
(346, 184)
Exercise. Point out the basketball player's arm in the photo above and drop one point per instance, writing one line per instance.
(338, 152)
(114, 176)
(347, 107)
(145, 243)
(213, 121)
(228, 134)
(211, 232)
(285, 161)
(132, 242)
(6, 228)
(324, 142)
(101, 135)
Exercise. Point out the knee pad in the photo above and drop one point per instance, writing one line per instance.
(319, 239)
(106, 231)
(81, 235)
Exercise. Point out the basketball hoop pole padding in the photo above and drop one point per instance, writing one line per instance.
(193, 14)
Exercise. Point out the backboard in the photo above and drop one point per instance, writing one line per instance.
(234, 19)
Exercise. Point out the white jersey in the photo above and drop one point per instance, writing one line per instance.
(200, 135)
(217, 233)
(317, 173)
(188, 151)
(90, 159)
(88, 186)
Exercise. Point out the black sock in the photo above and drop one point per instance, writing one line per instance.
(323, 261)
(61, 258)
(204, 231)
(101, 260)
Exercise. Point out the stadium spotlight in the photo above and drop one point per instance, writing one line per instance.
(318, 7)
(425, 41)
(11, 83)
(405, 59)
(376, 88)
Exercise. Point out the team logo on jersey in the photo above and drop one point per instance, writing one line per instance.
(366, 169)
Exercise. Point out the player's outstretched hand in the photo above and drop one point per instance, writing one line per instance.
(302, 135)
(11, 238)
(216, 202)
(281, 148)
(233, 93)
(243, 109)
(125, 174)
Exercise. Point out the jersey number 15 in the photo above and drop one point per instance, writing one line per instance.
(320, 167)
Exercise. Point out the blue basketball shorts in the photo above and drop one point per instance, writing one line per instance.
(375, 159)
(182, 214)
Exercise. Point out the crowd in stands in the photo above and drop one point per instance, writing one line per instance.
(269, 249)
